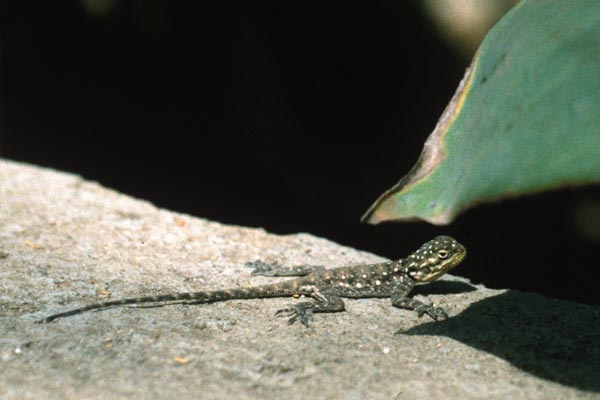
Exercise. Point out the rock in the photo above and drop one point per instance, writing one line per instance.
(66, 242)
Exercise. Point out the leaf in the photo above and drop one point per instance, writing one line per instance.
(525, 118)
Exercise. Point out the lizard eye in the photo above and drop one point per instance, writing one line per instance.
(443, 254)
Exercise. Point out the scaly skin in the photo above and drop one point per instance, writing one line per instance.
(393, 279)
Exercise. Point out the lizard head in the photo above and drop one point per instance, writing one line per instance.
(434, 259)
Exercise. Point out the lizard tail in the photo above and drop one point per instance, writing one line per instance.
(275, 290)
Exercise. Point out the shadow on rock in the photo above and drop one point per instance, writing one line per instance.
(444, 287)
(553, 339)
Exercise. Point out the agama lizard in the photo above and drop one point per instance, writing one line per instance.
(394, 279)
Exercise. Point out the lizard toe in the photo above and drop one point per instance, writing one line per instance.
(295, 313)
(436, 313)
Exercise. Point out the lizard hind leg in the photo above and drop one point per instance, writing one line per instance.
(304, 311)
(276, 269)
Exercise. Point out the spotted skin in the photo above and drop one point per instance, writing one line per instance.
(327, 287)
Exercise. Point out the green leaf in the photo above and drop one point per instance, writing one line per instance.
(525, 118)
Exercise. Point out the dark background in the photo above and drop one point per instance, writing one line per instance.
(284, 115)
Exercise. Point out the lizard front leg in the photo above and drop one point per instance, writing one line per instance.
(303, 312)
(400, 299)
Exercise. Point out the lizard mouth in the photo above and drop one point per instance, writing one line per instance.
(459, 258)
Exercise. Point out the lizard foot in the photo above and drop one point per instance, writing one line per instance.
(437, 313)
(297, 312)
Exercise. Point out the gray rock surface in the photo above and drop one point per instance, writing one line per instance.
(66, 242)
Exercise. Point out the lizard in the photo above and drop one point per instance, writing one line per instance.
(393, 279)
